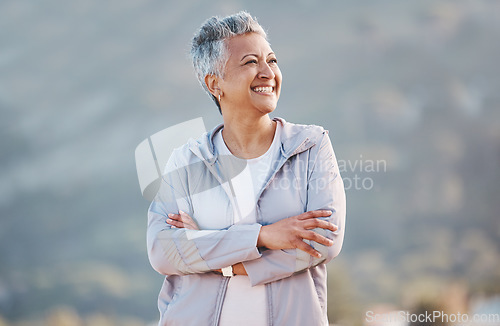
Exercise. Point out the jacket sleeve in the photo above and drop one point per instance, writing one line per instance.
(325, 191)
(182, 251)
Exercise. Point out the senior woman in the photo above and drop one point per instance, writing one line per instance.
(248, 215)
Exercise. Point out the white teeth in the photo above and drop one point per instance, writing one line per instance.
(263, 89)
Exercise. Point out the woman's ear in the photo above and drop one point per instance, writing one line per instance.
(212, 82)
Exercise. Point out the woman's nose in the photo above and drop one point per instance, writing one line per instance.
(265, 71)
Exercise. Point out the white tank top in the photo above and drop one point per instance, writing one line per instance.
(245, 305)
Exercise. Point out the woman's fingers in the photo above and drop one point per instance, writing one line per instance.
(174, 223)
(307, 248)
(313, 214)
(317, 223)
(316, 237)
(188, 221)
(176, 217)
(182, 220)
(175, 220)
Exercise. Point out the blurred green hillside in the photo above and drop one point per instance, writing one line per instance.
(408, 89)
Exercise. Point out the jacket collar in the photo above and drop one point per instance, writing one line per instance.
(295, 139)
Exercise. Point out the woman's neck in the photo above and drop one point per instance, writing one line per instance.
(248, 137)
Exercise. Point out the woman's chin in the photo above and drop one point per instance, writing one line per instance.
(265, 111)
(267, 108)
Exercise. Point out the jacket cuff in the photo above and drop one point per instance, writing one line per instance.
(272, 266)
(237, 244)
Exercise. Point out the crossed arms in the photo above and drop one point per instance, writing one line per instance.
(264, 253)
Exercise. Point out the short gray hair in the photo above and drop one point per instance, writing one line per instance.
(208, 48)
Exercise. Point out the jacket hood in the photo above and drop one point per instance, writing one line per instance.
(295, 139)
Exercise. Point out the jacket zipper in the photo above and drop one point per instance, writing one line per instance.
(220, 301)
(231, 196)
(284, 160)
(281, 165)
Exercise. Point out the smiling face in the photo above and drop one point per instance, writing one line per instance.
(252, 79)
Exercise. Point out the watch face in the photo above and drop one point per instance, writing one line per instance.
(227, 271)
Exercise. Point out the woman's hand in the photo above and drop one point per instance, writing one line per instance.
(182, 220)
(289, 233)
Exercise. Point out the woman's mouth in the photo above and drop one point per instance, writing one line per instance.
(267, 89)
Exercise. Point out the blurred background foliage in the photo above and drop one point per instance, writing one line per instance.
(411, 84)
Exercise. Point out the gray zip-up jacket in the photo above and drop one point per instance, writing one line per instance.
(305, 177)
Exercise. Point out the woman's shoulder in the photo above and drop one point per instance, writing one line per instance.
(186, 154)
(292, 130)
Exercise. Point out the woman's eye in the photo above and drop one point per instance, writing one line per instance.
(273, 60)
(251, 61)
